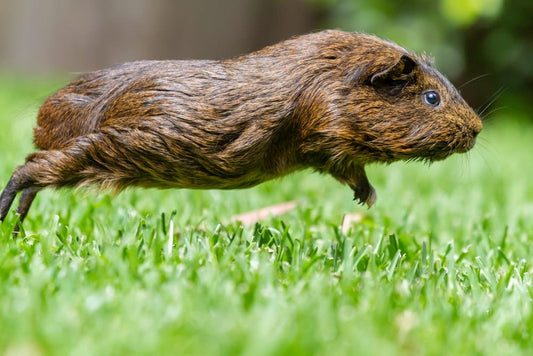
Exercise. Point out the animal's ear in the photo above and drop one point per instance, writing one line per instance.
(396, 76)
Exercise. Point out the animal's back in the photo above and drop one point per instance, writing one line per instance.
(80, 108)
(64, 115)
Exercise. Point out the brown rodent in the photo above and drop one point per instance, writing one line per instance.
(332, 101)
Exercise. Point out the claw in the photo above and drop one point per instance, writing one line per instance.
(356, 178)
(365, 194)
(372, 197)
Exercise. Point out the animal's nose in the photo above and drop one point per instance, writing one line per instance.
(477, 128)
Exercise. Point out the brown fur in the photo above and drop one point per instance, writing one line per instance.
(332, 101)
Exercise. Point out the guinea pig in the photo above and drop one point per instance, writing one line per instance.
(332, 101)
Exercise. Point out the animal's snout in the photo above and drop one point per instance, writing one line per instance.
(477, 127)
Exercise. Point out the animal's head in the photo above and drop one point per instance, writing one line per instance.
(395, 105)
(418, 113)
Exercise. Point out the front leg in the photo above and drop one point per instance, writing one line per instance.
(356, 178)
(364, 191)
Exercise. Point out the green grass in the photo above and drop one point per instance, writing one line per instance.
(440, 265)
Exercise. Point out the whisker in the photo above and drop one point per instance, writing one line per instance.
(485, 146)
(468, 163)
(492, 100)
(473, 80)
(490, 115)
(486, 149)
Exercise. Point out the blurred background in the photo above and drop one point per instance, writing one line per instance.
(484, 46)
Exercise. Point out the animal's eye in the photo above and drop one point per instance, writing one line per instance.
(431, 98)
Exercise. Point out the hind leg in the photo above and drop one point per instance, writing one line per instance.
(26, 198)
(7, 197)
(42, 169)
(9, 193)
(111, 158)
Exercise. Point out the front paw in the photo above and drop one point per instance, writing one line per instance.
(365, 194)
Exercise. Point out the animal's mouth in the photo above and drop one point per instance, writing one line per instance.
(439, 156)
(467, 146)
(467, 139)
(428, 147)
(464, 142)
(432, 151)
(439, 152)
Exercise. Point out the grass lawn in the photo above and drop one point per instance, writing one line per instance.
(442, 264)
